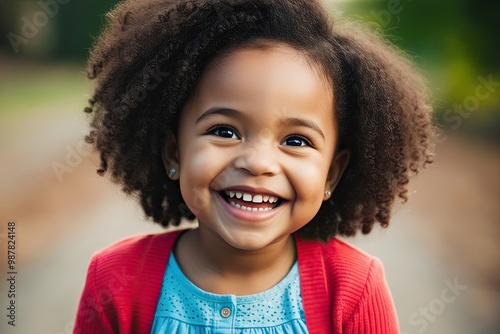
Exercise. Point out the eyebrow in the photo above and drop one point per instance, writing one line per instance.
(235, 113)
(219, 111)
(304, 123)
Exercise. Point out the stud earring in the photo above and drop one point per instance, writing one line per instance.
(172, 172)
(328, 193)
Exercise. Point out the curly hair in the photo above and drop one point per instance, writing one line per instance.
(152, 53)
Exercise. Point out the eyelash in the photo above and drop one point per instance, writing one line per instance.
(306, 141)
(213, 129)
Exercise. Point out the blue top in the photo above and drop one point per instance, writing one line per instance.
(185, 308)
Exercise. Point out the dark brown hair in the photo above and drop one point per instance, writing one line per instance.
(152, 53)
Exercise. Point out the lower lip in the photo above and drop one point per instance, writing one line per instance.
(250, 216)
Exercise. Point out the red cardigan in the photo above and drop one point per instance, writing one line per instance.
(343, 289)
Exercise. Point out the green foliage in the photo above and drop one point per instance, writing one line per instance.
(453, 41)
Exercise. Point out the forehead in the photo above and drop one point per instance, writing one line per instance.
(274, 62)
(276, 77)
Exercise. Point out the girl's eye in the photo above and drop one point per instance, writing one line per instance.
(297, 141)
(224, 132)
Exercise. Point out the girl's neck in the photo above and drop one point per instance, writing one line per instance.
(215, 266)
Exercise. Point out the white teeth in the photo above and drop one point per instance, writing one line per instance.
(244, 208)
(247, 197)
(257, 199)
(254, 199)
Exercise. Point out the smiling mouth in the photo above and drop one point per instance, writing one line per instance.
(249, 202)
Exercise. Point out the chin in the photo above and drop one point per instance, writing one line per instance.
(249, 243)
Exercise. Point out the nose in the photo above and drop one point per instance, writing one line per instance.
(258, 159)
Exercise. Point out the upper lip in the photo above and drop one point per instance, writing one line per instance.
(252, 191)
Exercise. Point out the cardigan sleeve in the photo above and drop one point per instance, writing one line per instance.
(123, 284)
(375, 312)
(91, 317)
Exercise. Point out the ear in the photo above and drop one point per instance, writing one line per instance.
(170, 156)
(339, 164)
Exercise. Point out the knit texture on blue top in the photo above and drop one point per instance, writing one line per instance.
(185, 308)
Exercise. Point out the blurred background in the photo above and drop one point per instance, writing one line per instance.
(441, 253)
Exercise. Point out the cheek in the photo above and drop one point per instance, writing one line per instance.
(199, 166)
(309, 186)
(308, 180)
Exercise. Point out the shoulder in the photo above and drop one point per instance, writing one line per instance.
(135, 246)
(344, 257)
(346, 267)
(352, 273)
(123, 283)
(133, 255)
(339, 258)
(353, 283)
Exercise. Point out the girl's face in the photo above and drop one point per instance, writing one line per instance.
(256, 146)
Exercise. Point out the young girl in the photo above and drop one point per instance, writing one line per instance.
(274, 128)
